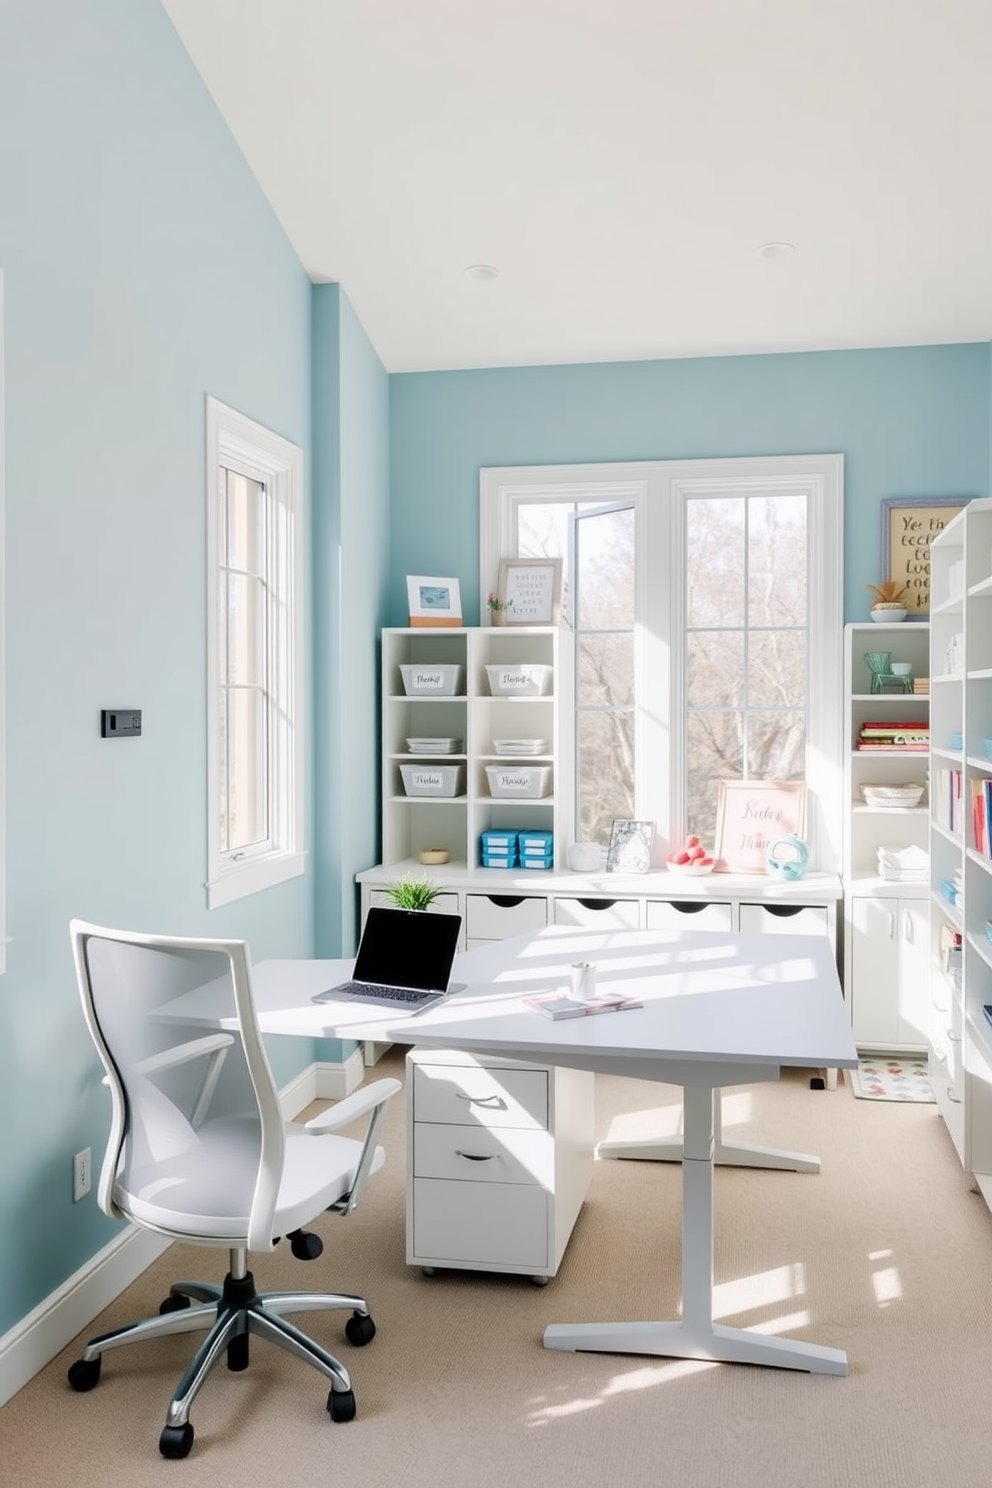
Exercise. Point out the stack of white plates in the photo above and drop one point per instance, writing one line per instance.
(520, 746)
(434, 746)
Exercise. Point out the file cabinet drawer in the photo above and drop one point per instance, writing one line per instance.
(483, 1226)
(482, 1155)
(498, 916)
(473, 1095)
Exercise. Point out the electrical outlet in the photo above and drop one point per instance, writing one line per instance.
(81, 1175)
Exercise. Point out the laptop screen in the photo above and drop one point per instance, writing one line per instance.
(408, 948)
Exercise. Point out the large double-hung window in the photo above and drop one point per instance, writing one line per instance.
(706, 602)
(254, 658)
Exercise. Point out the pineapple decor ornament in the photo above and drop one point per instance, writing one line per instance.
(888, 601)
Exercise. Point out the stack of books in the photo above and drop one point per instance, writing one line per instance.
(981, 814)
(921, 685)
(895, 734)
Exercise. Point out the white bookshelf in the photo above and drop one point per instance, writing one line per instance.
(960, 1036)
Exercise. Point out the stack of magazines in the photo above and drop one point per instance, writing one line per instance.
(904, 864)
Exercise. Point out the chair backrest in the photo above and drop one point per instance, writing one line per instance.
(196, 1124)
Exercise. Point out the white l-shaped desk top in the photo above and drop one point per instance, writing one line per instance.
(719, 1009)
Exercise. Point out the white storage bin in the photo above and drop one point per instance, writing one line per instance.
(433, 780)
(519, 679)
(433, 679)
(522, 782)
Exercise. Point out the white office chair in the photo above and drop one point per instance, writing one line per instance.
(198, 1150)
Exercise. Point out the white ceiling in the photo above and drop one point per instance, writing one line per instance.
(620, 162)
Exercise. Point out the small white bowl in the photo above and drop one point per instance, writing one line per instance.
(690, 870)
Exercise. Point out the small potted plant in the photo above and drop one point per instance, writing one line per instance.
(497, 608)
(889, 601)
(413, 893)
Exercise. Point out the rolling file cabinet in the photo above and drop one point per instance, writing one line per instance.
(499, 1160)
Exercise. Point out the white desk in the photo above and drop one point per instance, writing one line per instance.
(719, 1010)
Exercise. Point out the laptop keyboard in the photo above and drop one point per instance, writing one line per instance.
(389, 994)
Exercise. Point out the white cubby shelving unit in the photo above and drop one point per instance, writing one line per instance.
(886, 923)
(477, 717)
(960, 1035)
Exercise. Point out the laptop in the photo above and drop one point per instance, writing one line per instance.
(404, 961)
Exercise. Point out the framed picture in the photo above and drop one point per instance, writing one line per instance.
(753, 814)
(909, 525)
(530, 590)
(433, 601)
(630, 847)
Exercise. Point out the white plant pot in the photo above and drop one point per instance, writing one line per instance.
(887, 614)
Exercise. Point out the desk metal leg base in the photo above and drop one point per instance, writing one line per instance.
(697, 1336)
(728, 1154)
(677, 1341)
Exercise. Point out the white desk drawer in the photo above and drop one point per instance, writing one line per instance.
(479, 1224)
(483, 1155)
(600, 914)
(470, 1095)
(498, 916)
(688, 914)
(786, 919)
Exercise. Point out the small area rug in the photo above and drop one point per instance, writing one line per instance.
(891, 1079)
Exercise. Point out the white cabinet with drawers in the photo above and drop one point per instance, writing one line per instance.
(499, 1160)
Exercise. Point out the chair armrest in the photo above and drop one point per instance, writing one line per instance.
(183, 1053)
(374, 1098)
(366, 1098)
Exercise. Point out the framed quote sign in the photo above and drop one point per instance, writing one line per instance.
(909, 526)
(530, 590)
(752, 815)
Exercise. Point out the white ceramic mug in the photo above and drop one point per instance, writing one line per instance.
(584, 980)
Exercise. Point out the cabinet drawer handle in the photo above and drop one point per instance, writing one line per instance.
(953, 1096)
(491, 1102)
(476, 1156)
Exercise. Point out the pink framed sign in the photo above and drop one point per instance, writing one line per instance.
(751, 815)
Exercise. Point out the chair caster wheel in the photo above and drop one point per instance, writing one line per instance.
(305, 1247)
(84, 1374)
(176, 1441)
(341, 1405)
(174, 1303)
(429, 1270)
(817, 1083)
(359, 1329)
(540, 1281)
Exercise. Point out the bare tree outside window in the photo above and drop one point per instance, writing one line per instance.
(747, 644)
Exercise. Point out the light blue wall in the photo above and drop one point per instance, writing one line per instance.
(143, 269)
(351, 560)
(910, 422)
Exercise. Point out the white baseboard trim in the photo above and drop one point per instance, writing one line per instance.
(37, 1338)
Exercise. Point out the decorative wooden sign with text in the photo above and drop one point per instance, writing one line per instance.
(909, 526)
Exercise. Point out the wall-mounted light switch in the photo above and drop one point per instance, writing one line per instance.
(120, 723)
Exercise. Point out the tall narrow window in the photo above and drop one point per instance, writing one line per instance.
(254, 662)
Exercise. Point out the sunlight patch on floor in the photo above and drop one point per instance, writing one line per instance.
(644, 1378)
(886, 1281)
(763, 1289)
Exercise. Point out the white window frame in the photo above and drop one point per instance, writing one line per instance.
(236, 442)
(659, 489)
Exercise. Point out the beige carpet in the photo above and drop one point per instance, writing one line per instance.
(886, 1253)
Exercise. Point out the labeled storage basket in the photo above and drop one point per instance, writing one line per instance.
(433, 679)
(520, 782)
(433, 780)
(520, 679)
